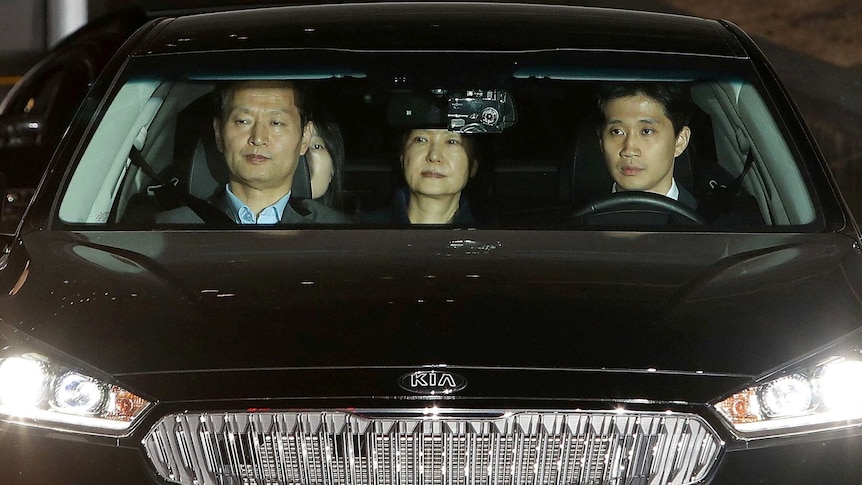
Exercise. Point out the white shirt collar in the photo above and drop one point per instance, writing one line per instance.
(673, 193)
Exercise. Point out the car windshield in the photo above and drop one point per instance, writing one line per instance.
(541, 151)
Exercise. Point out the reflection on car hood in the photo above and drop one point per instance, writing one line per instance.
(596, 304)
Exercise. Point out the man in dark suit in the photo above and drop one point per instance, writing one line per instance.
(645, 128)
(261, 129)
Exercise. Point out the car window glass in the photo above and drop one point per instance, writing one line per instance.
(89, 198)
(534, 172)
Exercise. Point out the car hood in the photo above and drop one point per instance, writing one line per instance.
(346, 312)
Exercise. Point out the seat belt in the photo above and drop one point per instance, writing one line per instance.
(722, 195)
(296, 203)
(733, 187)
(209, 213)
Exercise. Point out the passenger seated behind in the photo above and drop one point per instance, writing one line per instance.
(437, 164)
(644, 129)
(261, 129)
(325, 157)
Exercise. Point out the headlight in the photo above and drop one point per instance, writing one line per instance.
(826, 396)
(36, 391)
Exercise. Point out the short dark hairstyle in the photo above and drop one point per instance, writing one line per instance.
(221, 92)
(329, 130)
(674, 97)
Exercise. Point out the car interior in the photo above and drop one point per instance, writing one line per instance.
(540, 164)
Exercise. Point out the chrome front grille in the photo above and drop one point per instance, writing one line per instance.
(370, 448)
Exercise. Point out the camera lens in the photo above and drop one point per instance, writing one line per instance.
(490, 116)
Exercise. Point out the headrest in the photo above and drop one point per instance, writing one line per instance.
(208, 171)
(587, 177)
(584, 176)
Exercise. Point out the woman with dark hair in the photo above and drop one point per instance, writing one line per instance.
(436, 164)
(325, 157)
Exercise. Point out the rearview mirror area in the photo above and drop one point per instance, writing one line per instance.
(466, 111)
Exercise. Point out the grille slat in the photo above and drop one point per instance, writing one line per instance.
(372, 448)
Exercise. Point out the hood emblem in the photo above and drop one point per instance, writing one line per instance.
(432, 382)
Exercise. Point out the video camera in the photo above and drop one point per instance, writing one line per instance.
(468, 111)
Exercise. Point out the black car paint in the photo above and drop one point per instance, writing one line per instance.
(552, 302)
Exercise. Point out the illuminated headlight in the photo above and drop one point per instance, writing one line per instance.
(827, 396)
(37, 392)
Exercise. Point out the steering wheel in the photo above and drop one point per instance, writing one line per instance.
(637, 207)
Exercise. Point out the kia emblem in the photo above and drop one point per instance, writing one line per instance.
(432, 382)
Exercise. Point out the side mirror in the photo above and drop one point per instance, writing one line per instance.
(3, 216)
(8, 218)
(12, 207)
(7, 236)
(2, 194)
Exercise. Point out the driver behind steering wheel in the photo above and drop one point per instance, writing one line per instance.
(645, 127)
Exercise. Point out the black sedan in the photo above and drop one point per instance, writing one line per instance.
(434, 243)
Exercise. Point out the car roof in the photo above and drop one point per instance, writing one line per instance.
(470, 26)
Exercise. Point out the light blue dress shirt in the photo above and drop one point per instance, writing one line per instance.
(243, 215)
